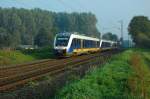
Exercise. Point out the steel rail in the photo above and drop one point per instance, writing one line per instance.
(8, 82)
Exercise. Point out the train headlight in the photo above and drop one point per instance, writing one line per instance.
(60, 51)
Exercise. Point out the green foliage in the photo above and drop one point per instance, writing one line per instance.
(108, 82)
(139, 29)
(38, 27)
(43, 53)
(43, 38)
(17, 57)
(5, 38)
(110, 36)
(126, 76)
(13, 57)
(139, 83)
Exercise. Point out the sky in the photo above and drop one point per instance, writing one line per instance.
(108, 12)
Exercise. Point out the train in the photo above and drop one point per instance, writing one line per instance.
(72, 44)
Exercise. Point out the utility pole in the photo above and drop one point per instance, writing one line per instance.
(121, 30)
(101, 35)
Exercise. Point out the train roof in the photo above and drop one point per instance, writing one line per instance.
(103, 40)
(75, 35)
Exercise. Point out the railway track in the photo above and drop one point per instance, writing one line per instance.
(10, 77)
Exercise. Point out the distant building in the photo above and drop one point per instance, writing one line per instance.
(27, 47)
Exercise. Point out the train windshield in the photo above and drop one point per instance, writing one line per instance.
(62, 40)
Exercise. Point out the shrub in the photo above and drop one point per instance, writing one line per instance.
(110, 81)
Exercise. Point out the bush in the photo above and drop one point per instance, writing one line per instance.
(110, 81)
(14, 57)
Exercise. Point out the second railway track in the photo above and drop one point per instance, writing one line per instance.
(12, 76)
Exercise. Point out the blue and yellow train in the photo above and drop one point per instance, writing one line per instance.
(70, 44)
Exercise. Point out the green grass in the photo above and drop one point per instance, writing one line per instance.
(146, 56)
(117, 79)
(140, 81)
(22, 56)
(14, 57)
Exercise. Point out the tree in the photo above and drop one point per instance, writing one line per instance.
(87, 24)
(26, 26)
(110, 36)
(14, 29)
(43, 38)
(143, 40)
(139, 29)
(5, 38)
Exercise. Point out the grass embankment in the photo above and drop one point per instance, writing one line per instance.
(126, 75)
(14, 57)
(17, 57)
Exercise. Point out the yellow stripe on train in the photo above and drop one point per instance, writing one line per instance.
(85, 50)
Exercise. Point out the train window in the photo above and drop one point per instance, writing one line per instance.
(84, 44)
(87, 44)
(105, 44)
(90, 44)
(93, 44)
(73, 44)
(62, 40)
(76, 43)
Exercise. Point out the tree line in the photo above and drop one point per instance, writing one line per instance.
(139, 29)
(38, 27)
(110, 36)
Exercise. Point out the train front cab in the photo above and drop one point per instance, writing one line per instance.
(60, 45)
